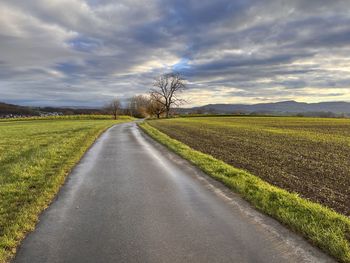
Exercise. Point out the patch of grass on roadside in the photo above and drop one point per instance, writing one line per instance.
(35, 157)
(322, 226)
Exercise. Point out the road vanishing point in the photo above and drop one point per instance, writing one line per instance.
(130, 199)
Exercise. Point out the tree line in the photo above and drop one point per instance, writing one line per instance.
(161, 99)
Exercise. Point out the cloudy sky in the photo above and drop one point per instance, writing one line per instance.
(84, 52)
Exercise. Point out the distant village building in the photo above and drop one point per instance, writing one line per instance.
(41, 114)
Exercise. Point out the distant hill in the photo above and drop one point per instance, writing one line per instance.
(15, 109)
(281, 108)
(11, 109)
(323, 109)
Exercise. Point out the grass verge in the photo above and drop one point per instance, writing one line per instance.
(322, 226)
(35, 157)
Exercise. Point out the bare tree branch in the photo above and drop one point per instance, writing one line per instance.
(156, 105)
(165, 89)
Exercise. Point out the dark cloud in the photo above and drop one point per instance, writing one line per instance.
(84, 52)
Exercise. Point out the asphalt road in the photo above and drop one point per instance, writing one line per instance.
(131, 200)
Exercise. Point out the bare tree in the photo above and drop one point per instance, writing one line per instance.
(165, 91)
(155, 107)
(138, 105)
(114, 107)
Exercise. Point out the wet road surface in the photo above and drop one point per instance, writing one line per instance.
(131, 200)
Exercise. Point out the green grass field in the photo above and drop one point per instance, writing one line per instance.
(261, 158)
(35, 157)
